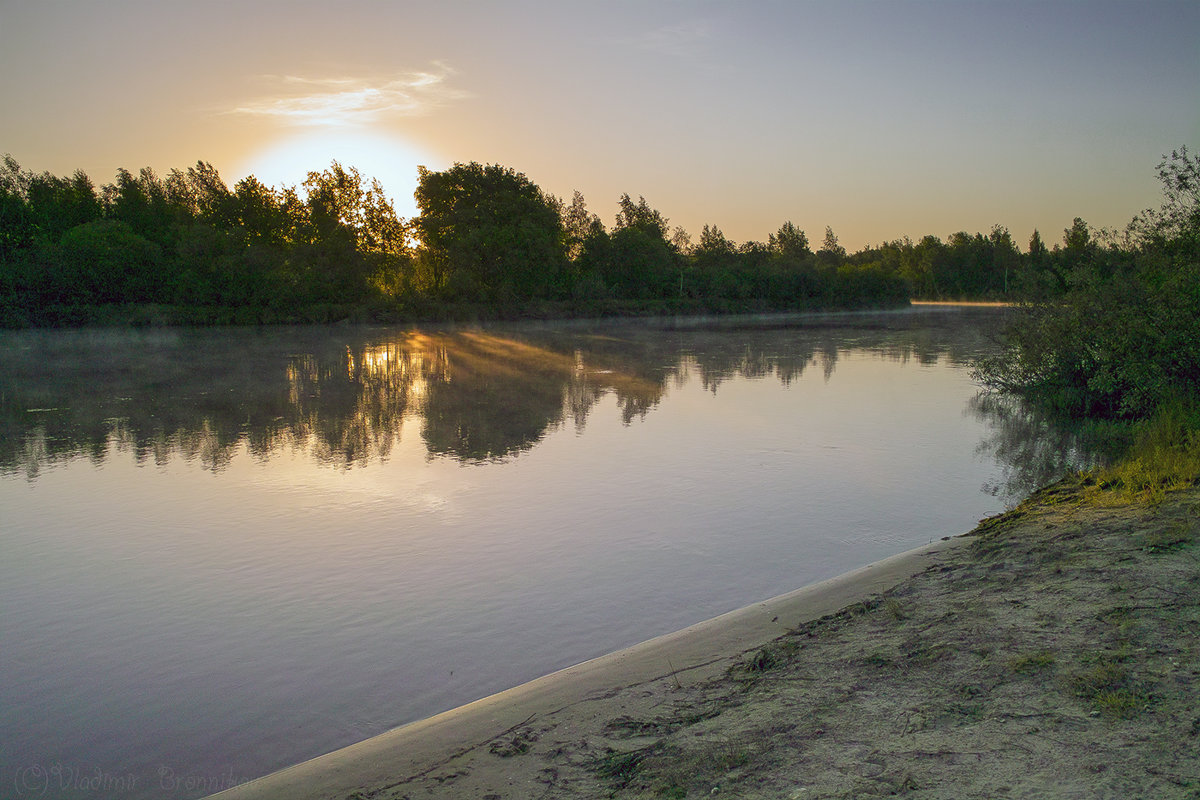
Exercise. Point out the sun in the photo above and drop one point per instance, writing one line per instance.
(385, 157)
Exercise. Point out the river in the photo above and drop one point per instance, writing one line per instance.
(226, 551)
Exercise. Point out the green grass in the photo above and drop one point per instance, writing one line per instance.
(620, 767)
(1032, 662)
(1164, 457)
(1111, 689)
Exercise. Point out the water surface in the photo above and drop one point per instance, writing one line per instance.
(226, 551)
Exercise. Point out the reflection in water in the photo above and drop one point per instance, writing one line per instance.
(1029, 447)
(477, 395)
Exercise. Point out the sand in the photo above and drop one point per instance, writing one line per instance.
(1052, 652)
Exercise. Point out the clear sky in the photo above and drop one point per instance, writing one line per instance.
(880, 119)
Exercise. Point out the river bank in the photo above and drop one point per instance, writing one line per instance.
(1053, 651)
(413, 312)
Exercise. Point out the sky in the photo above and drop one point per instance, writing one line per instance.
(878, 119)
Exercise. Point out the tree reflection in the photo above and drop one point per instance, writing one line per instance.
(344, 395)
(1031, 448)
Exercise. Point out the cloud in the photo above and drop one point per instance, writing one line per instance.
(680, 40)
(353, 101)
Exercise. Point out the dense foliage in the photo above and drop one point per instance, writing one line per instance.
(1113, 329)
(189, 248)
(487, 242)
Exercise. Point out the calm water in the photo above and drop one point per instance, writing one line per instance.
(228, 551)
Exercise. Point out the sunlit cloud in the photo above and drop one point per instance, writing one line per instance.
(306, 101)
(680, 39)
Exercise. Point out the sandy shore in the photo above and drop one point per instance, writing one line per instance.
(1052, 652)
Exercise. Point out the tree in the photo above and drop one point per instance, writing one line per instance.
(58, 204)
(201, 193)
(579, 224)
(717, 262)
(350, 243)
(140, 202)
(335, 205)
(16, 229)
(1178, 219)
(488, 232)
(1037, 248)
(681, 241)
(1005, 256)
(260, 214)
(1078, 246)
(1122, 338)
(791, 243)
(640, 216)
(968, 265)
(713, 243)
(1043, 273)
(106, 261)
(793, 275)
(831, 253)
(927, 267)
(639, 264)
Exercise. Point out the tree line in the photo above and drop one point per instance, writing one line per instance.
(487, 241)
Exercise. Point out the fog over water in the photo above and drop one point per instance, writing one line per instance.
(230, 550)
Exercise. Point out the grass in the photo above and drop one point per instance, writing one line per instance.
(895, 609)
(880, 659)
(1164, 541)
(1111, 689)
(671, 770)
(618, 767)
(774, 656)
(1164, 457)
(1032, 662)
(687, 770)
(966, 712)
(765, 659)
(1120, 703)
(921, 652)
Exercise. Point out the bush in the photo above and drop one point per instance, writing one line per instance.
(1123, 338)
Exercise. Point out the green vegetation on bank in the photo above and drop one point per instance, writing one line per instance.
(487, 242)
(1163, 456)
(1115, 340)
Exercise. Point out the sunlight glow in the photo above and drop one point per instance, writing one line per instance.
(385, 157)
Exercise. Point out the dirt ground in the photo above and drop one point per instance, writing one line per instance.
(1055, 656)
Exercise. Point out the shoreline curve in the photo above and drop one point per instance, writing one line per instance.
(699, 651)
